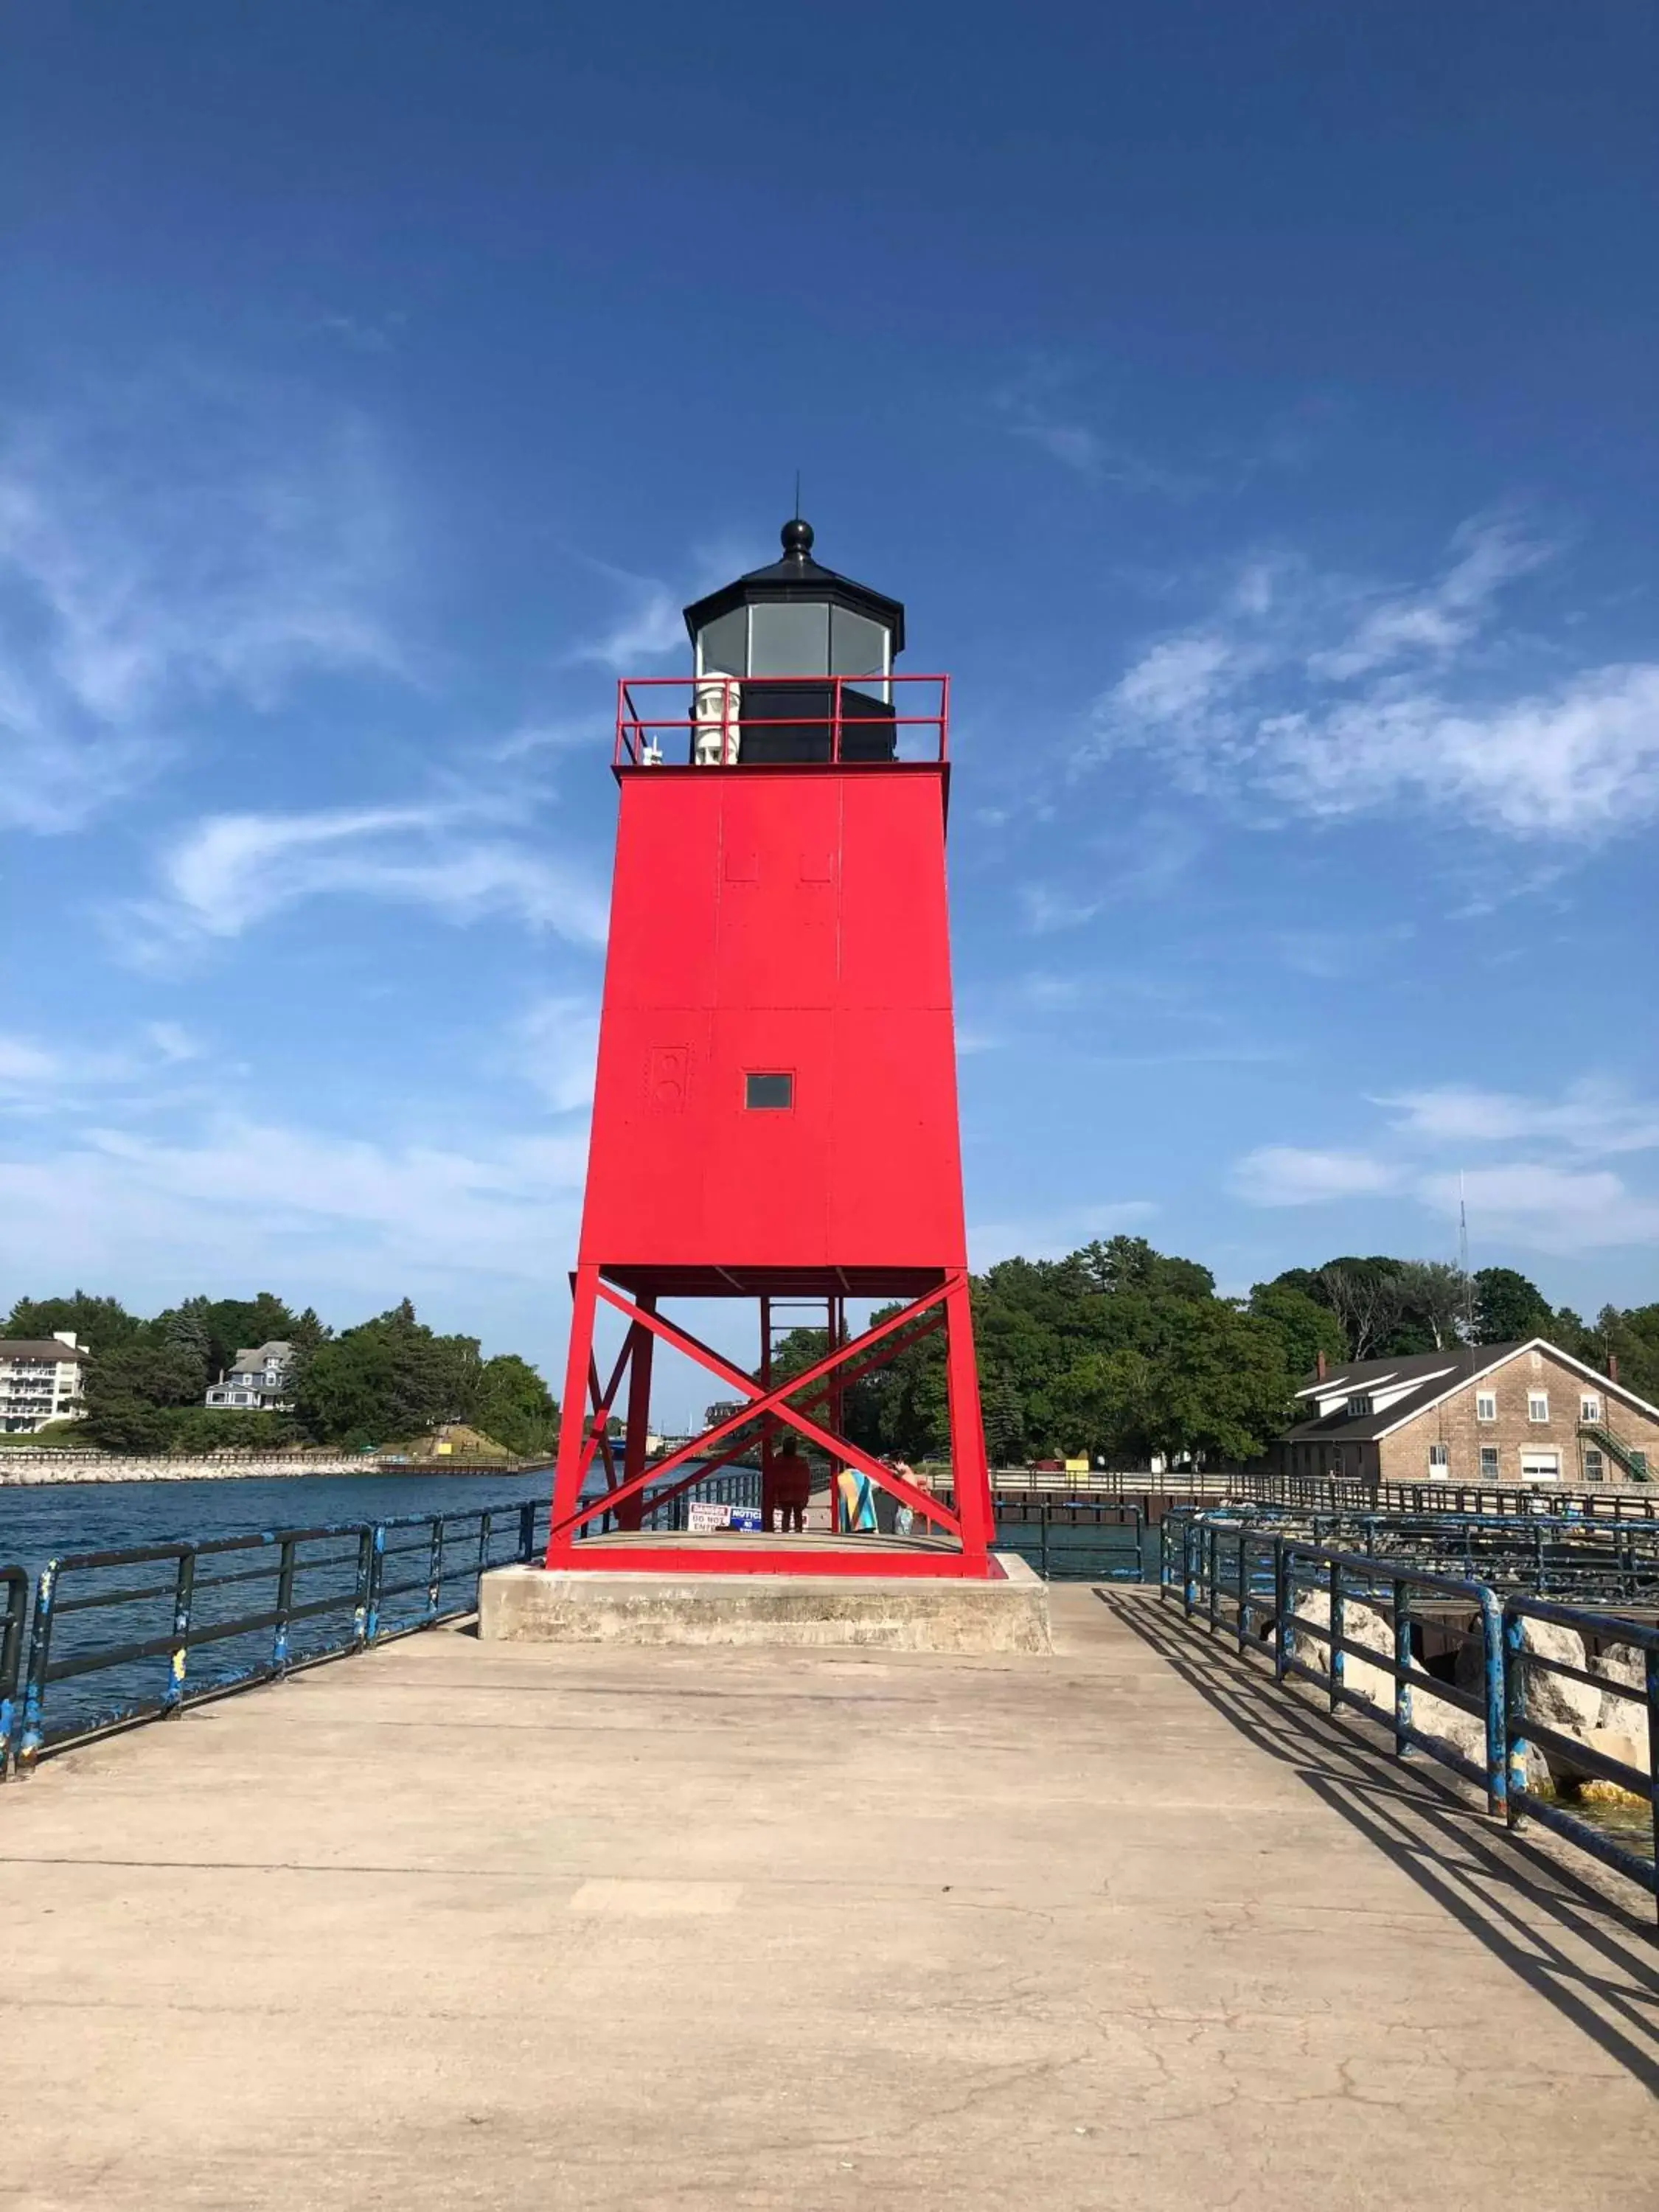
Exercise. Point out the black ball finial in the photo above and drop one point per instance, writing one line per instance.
(797, 539)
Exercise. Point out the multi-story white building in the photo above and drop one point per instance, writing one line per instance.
(258, 1383)
(41, 1380)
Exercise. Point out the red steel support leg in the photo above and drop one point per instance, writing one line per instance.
(769, 1426)
(970, 1476)
(574, 1420)
(631, 1511)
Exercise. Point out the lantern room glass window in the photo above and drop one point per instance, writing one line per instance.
(789, 640)
(796, 639)
(858, 647)
(723, 644)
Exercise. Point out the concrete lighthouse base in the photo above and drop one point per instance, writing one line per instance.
(530, 1605)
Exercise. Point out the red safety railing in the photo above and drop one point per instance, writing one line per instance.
(701, 720)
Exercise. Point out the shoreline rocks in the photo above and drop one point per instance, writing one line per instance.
(37, 1470)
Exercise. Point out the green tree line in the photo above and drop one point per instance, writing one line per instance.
(382, 1382)
(1120, 1351)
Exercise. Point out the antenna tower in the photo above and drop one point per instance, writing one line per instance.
(1463, 1260)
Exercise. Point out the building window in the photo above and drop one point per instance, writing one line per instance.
(1486, 1406)
(1538, 1405)
(1488, 1462)
(1360, 1406)
(1590, 1407)
(1594, 1466)
(768, 1094)
(1439, 1460)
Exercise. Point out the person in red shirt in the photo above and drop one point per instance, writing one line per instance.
(792, 1485)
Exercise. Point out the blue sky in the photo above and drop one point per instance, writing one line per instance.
(1253, 406)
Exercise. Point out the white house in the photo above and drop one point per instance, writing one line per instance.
(41, 1380)
(258, 1383)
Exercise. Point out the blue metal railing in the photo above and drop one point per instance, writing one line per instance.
(1256, 1579)
(1324, 1494)
(1237, 1573)
(1073, 1540)
(136, 1634)
(1523, 1664)
(14, 1599)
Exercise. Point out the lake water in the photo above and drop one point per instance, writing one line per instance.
(104, 1614)
(43, 1522)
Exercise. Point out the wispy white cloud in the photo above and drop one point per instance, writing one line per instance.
(231, 870)
(1555, 1204)
(1047, 910)
(1328, 699)
(1047, 406)
(241, 1199)
(1594, 1117)
(49, 1076)
(24, 1065)
(162, 548)
(1546, 1207)
(1286, 1174)
(1049, 1237)
(538, 738)
(1440, 616)
(556, 1045)
(649, 624)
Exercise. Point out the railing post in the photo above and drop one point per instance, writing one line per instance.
(365, 1579)
(1515, 1713)
(527, 1532)
(1334, 1654)
(284, 1606)
(435, 1571)
(183, 1591)
(1403, 1661)
(376, 1578)
(1651, 1684)
(11, 1639)
(1491, 1676)
(1192, 1541)
(1242, 1607)
(1284, 1608)
(1044, 1538)
(34, 1689)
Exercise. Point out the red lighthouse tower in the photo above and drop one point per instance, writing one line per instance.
(775, 1118)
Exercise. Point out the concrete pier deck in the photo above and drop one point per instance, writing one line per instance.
(469, 1925)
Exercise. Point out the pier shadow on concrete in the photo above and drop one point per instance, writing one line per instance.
(1565, 1928)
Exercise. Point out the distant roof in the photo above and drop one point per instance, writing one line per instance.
(1432, 1376)
(257, 1355)
(798, 576)
(41, 1347)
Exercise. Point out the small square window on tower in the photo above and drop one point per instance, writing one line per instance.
(768, 1094)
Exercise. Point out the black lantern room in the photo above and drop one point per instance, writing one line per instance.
(782, 636)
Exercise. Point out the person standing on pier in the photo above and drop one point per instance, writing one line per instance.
(791, 1487)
